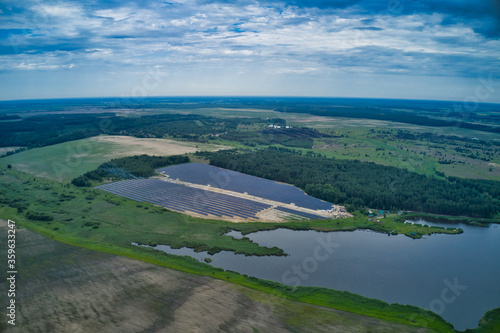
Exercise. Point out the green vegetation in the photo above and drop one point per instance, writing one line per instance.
(391, 111)
(66, 161)
(38, 216)
(429, 153)
(146, 295)
(448, 219)
(490, 323)
(112, 223)
(110, 228)
(289, 137)
(419, 146)
(108, 223)
(47, 129)
(44, 130)
(393, 224)
(138, 166)
(473, 154)
(120, 221)
(361, 184)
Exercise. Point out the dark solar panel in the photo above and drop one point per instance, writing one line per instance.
(238, 182)
(183, 198)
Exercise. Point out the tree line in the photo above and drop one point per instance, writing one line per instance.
(138, 166)
(44, 130)
(365, 184)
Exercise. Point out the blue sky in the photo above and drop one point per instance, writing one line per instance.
(418, 49)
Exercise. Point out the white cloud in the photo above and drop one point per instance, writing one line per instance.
(60, 10)
(256, 38)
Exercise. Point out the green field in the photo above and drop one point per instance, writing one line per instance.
(354, 139)
(103, 222)
(68, 160)
(460, 159)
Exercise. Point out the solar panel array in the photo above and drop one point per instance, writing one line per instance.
(184, 198)
(239, 182)
(297, 212)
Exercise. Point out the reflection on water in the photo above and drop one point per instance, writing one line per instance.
(397, 269)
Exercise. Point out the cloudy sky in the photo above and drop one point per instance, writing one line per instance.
(416, 49)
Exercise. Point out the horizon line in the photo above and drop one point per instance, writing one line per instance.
(132, 99)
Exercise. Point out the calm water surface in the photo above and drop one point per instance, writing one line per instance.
(456, 276)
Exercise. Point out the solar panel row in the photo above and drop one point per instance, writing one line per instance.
(183, 198)
(239, 182)
(296, 212)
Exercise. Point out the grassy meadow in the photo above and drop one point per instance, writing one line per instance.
(65, 161)
(104, 222)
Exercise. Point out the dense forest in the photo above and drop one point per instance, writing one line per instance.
(138, 166)
(428, 113)
(364, 184)
(39, 131)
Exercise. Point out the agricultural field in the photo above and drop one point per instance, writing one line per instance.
(113, 293)
(110, 224)
(450, 151)
(65, 161)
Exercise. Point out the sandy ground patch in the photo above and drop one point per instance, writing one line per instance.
(5, 150)
(137, 146)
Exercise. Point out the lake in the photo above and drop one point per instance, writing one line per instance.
(456, 276)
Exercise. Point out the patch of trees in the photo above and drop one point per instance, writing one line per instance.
(39, 131)
(19, 204)
(192, 127)
(44, 130)
(38, 216)
(138, 166)
(365, 184)
(433, 137)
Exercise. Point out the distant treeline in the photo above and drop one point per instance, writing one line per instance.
(428, 113)
(44, 130)
(10, 117)
(363, 184)
(386, 114)
(138, 166)
(39, 131)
